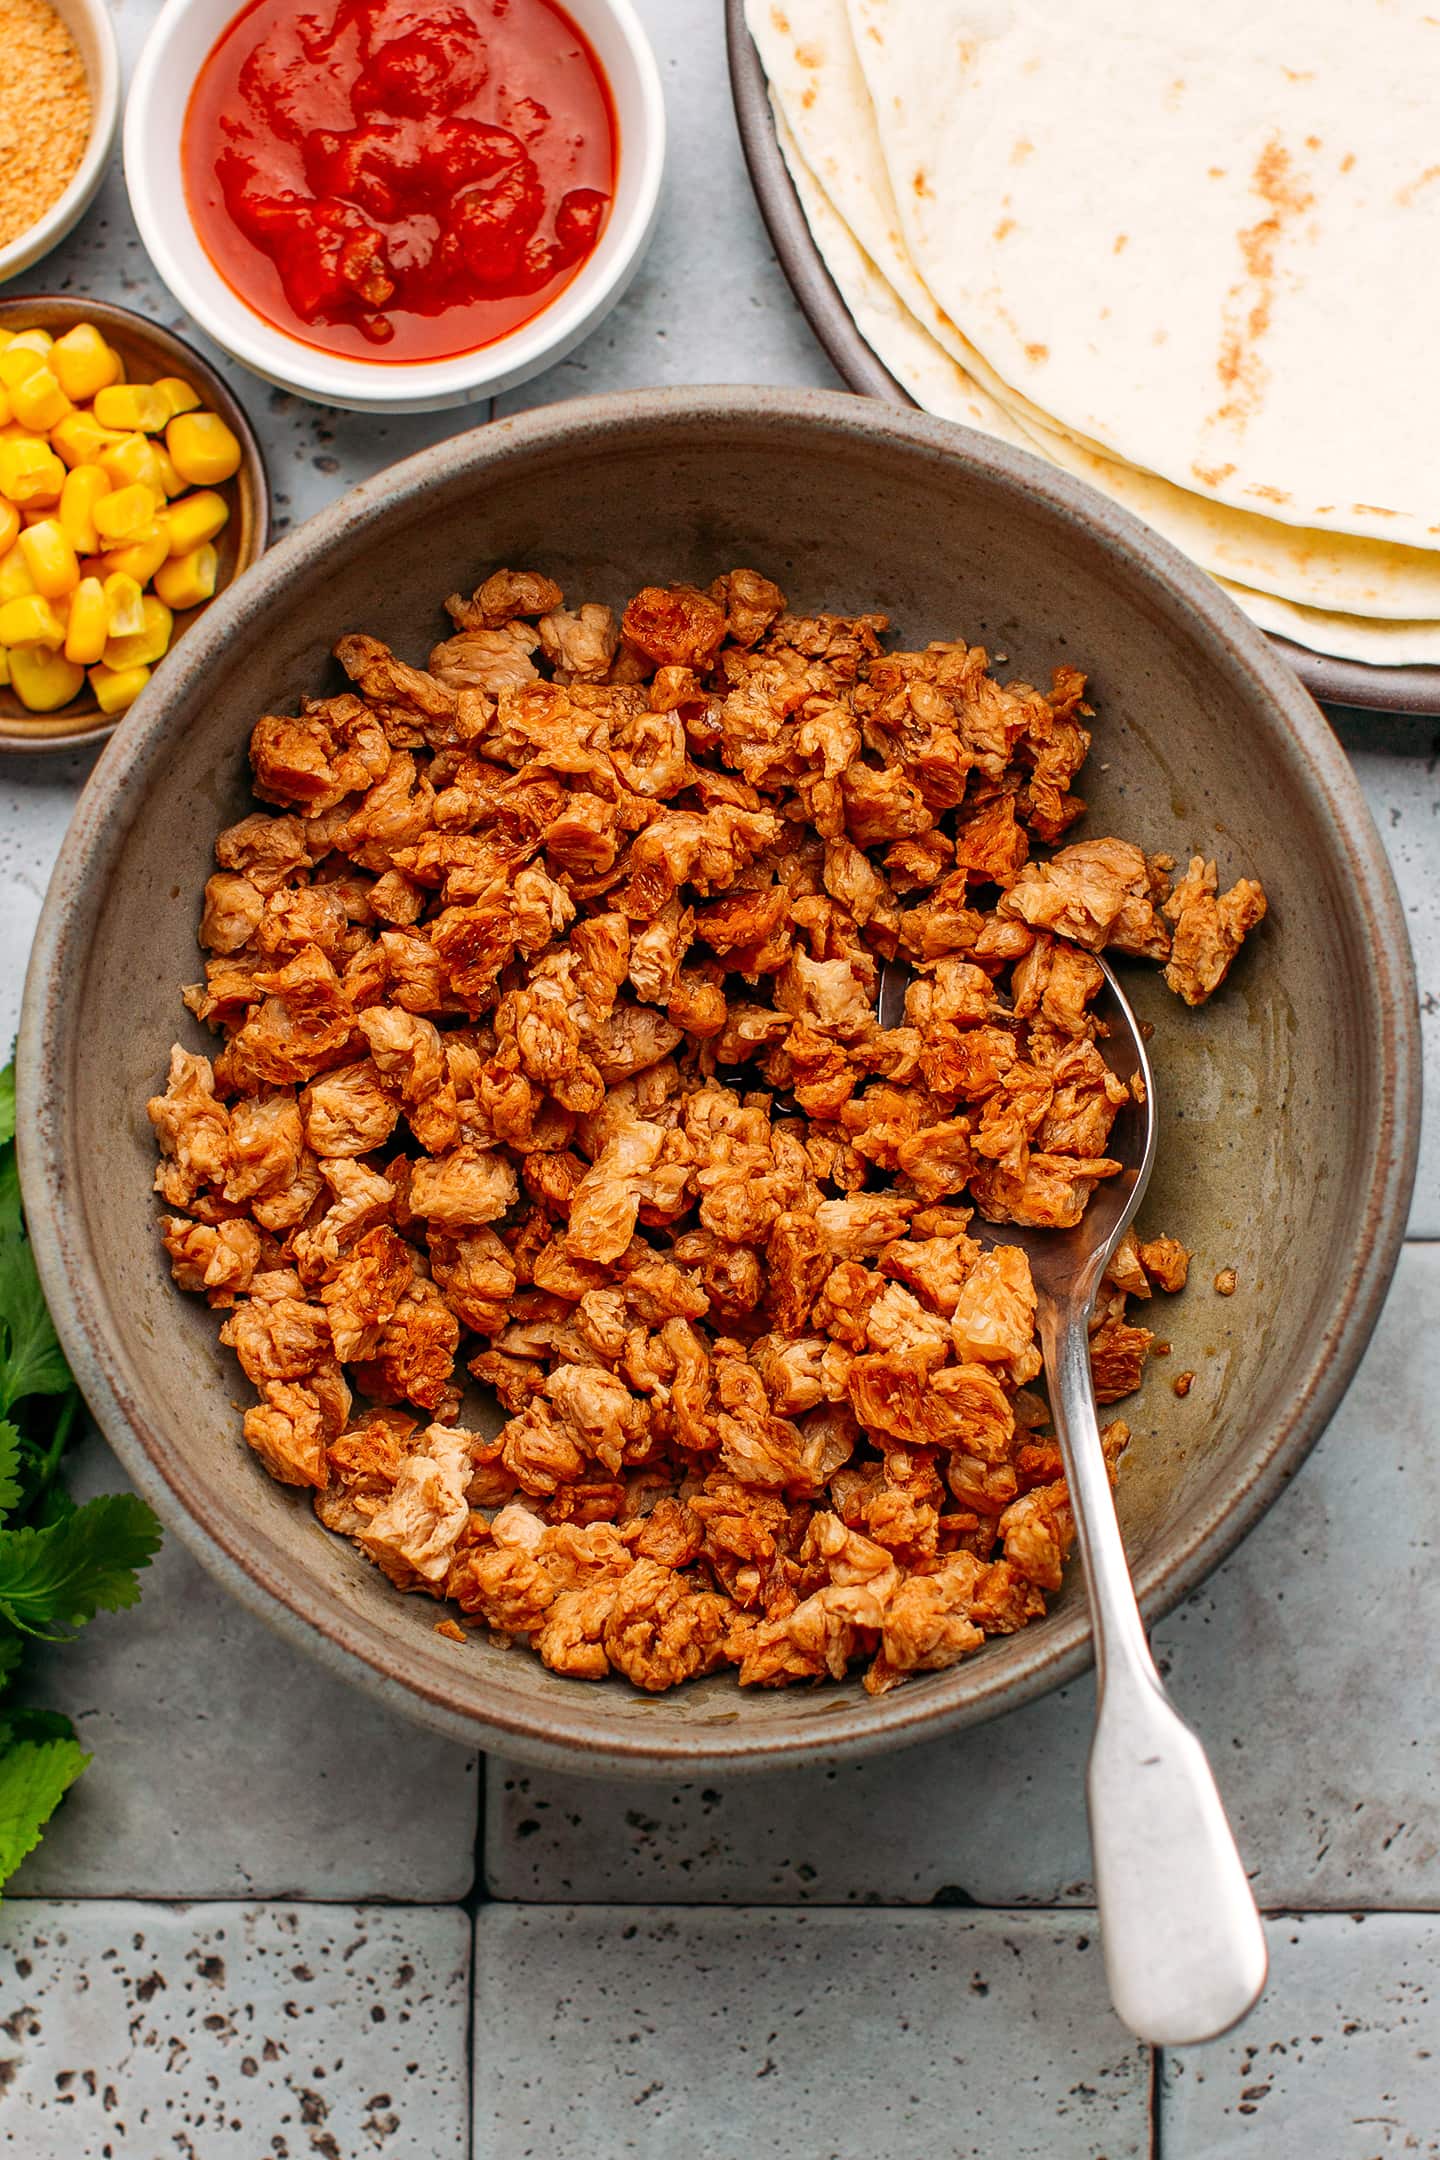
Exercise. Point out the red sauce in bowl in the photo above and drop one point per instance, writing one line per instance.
(396, 181)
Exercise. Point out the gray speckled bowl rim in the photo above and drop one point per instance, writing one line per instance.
(577, 1735)
(1413, 690)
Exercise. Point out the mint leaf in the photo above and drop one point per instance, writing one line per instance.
(61, 1576)
(7, 1104)
(35, 1775)
(9, 1465)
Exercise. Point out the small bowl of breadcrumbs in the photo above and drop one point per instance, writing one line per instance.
(58, 114)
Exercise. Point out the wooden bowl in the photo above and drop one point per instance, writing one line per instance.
(148, 352)
(1289, 1108)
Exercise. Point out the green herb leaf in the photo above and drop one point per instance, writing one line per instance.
(12, 1649)
(9, 1466)
(7, 1104)
(61, 1576)
(35, 1775)
(31, 1360)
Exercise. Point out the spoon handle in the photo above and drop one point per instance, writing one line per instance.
(1184, 1948)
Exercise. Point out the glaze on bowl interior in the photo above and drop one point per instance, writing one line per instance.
(1288, 1108)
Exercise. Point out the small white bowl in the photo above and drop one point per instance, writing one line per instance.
(88, 22)
(154, 118)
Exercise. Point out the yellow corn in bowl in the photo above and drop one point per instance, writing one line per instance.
(131, 492)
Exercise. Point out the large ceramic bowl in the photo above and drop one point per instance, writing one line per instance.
(1288, 1108)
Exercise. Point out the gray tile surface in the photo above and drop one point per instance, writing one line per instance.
(228, 1765)
(1323, 1610)
(1339, 2061)
(133, 2032)
(1397, 762)
(806, 2036)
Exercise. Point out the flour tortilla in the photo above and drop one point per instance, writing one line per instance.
(1319, 570)
(1199, 238)
(1342, 637)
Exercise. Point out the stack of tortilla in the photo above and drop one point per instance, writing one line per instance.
(1190, 254)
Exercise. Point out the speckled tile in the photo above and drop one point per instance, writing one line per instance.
(1319, 1612)
(1397, 762)
(709, 303)
(228, 1765)
(133, 2031)
(806, 2036)
(1339, 2060)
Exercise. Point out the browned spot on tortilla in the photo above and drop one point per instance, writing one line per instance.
(1270, 494)
(1312, 142)
(1218, 172)
(810, 56)
(921, 184)
(1122, 241)
(1243, 374)
(781, 22)
(1373, 510)
(808, 96)
(1212, 475)
(1298, 74)
(1006, 225)
(1037, 353)
(1175, 92)
(1347, 161)
(1407, 194)
(1022, 150)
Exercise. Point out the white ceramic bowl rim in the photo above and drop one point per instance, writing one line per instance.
(104, 85)
(153, 121)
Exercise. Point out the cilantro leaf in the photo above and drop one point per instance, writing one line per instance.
(35, 1775)
(9, 1465)
(63, 1575)
(31, 1360)
(7, 1104)
(12, 1649)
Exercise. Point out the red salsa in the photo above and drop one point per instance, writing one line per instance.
(397, 181)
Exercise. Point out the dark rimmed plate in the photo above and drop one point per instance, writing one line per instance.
(1337, 682)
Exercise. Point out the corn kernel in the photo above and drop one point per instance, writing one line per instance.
(125, 513)
(39, 401)
(7, 410)
(146, 645)
(196, 519)
(178, 394)
(117, 689)
(133, 461)
(131, 406)
(170, 480)
(79, 439)
(44, 679)
(50, 559)
(124, 614)
(30, 620)
(142, 554)
(17, 361)
(186, 580)
(82, 489)
(30, 472)
(204, 449)
(87, 628)
(37, 341)
(15, 578)
(83, 362)
(9, 526)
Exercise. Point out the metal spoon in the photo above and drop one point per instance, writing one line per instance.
(1184, 1949)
